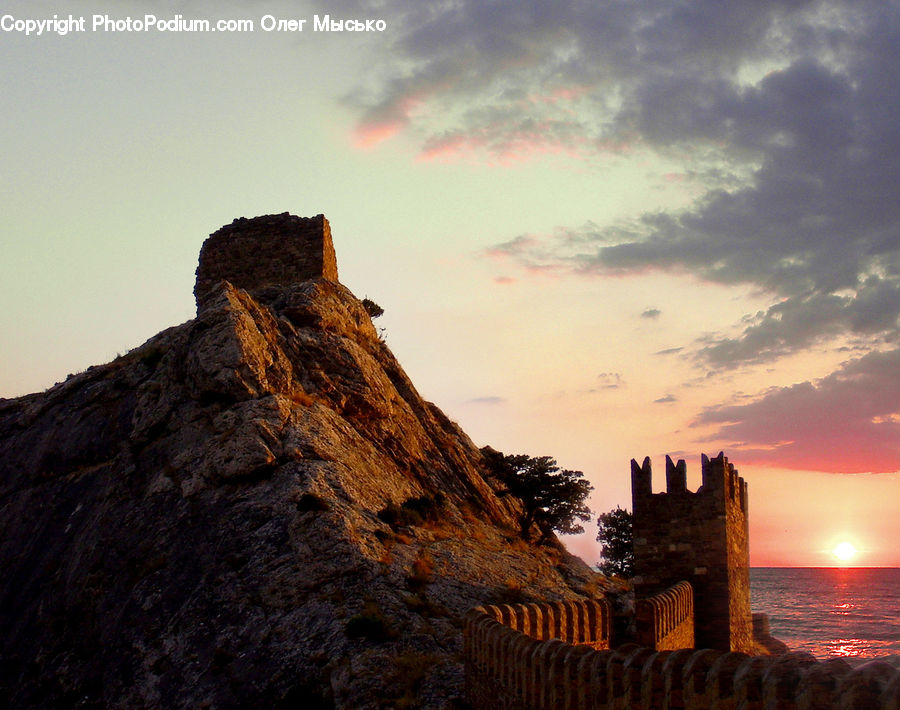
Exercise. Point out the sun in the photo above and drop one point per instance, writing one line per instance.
(845, 551)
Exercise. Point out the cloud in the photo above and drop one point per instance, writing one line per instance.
(651, 313)
(608, 381)
(778, 110)
(779, 113)
(847, 422)
(666, 400)
(489, 400)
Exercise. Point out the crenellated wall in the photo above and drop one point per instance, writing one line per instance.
(557, 657)
(512, 651)
(697, 537)
(665, 621)
(507, 669)
(581, 622)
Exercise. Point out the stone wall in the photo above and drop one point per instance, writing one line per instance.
(583, 622)
(513, 656)
(701, 538)
(507, 669)
(271, 250)
(665, 621)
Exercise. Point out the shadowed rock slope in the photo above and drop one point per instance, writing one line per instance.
(217, 519)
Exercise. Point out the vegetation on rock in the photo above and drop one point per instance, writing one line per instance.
(371, 625)
(372, 308)
(413, 511)
(552, 498)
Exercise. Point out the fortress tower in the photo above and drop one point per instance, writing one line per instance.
(279, 249)
(701, 538)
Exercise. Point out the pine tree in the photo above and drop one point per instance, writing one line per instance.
(615, 532)
(552, 498)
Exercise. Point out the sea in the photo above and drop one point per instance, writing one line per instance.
(846, 612)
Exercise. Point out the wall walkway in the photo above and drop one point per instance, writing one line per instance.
(509, 668)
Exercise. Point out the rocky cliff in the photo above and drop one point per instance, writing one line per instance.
(254, 509)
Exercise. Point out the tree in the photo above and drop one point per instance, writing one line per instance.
(616, 534)
(372, 308)
(552, 499)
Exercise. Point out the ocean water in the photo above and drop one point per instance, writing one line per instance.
(852, 613)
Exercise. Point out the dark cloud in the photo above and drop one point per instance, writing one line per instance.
(782, 111)
(848, 422)
(506, 77)
(666, 400)
(651, 313)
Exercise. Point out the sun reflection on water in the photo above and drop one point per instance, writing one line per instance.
(849, 613)
(847, 648)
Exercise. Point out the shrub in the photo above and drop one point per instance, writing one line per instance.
(372, 308)
(303, 398)
(428, 507)
(422, 568)
(312, 502)
(406, 679)
(371, 625)
(413, 511)
(420, 604)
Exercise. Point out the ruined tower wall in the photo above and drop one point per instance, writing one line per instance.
(701, 538)
(271, 250)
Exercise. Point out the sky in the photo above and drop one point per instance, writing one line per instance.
(599, 230)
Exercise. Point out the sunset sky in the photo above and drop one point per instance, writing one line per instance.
(600, 230)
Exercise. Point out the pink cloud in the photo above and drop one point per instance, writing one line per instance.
(524, 243)
(385, 122)
(448, 149)
(369, 135)
(846, 422)
(504, 145)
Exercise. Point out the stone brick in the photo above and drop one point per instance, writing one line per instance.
(701, 538)
(273, 250)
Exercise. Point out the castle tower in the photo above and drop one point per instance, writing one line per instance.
(699, 537)
(264, 251)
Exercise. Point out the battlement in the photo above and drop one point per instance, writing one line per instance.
(718, 476)
(700, 537)
(507, 668)
(272, 250)
(585, 622)
(665, 621)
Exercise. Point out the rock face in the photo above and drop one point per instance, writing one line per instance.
(254, 509)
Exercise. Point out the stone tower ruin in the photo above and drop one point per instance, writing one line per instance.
(701, 538)
(264, 251)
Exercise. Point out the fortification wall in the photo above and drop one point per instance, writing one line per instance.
(582, 622)
(665, 621)
(271, 250)
(509, 670)
(697, 537)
